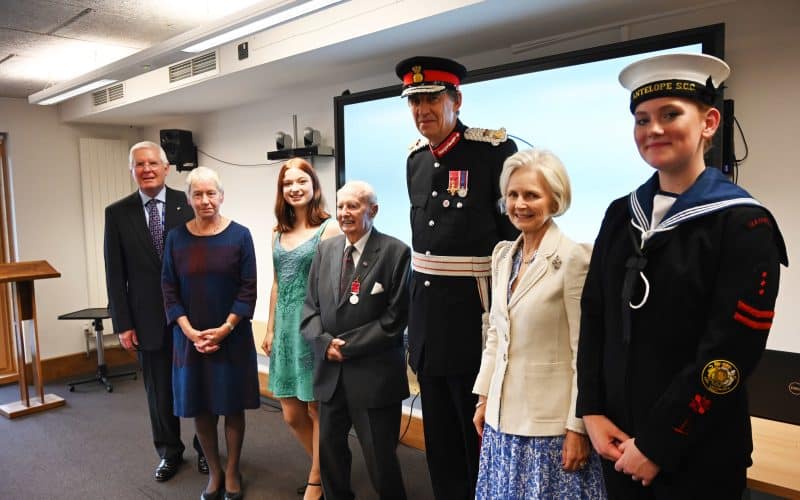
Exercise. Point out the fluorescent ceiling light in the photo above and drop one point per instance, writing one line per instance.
(72, 93)
(262, 24)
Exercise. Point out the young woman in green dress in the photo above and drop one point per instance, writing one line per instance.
(302, 224)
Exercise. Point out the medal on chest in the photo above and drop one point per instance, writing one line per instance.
(355, 289)
(458, 182)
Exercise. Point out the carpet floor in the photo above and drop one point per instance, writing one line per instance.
(99, 446)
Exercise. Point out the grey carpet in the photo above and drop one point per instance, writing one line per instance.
(98, 446)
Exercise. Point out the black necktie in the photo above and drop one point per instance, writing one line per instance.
(156, 229)
(348, 269)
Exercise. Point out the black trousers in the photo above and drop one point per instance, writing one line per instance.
(378, 431)
(451, 442)
(166, 427)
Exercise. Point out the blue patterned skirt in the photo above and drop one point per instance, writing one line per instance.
(522, 467)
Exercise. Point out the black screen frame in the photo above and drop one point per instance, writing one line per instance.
(711, 37)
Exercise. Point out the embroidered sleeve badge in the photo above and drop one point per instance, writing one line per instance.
(720, 376)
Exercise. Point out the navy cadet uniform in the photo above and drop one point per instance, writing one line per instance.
(667, 364)
(456, 220)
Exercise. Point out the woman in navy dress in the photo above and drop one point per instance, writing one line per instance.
(209, 285)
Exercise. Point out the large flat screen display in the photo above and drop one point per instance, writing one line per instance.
(571, 104)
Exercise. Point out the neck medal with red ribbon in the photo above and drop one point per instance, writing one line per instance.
(355, 288)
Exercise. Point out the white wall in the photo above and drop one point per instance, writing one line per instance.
(243, 135)
(761, 46)
(45, 170)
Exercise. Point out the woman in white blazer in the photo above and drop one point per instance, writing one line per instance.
(533, 445)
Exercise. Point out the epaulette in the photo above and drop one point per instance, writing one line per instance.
(417, 145)
(495, 137)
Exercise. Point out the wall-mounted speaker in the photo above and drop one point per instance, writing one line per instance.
(180, 149)
(311, 137)
(282, 141)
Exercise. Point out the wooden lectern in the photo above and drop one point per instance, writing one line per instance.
(21, 276)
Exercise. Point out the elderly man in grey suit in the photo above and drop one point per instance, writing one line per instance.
(354, 316)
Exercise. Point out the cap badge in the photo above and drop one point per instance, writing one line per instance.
(417, 77)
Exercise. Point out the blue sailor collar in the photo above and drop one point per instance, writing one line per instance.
(710, 193)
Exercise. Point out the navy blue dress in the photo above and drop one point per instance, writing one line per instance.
(206, 278)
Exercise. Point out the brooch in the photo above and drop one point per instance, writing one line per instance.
(556, 262)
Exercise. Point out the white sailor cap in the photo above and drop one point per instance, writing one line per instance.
(694, 76)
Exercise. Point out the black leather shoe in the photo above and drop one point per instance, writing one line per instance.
(236, 495)
(167, 468)
(202, 464)
(217, 495)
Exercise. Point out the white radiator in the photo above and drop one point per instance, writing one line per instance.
(105, 178)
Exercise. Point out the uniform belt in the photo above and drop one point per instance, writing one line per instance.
(445, 265)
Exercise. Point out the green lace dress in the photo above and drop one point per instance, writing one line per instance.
(291, 362)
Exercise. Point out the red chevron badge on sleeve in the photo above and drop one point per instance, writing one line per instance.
(751, 317)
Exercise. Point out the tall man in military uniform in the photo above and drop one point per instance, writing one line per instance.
(453, 184)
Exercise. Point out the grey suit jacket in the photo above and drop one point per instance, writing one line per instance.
(374, 369)
(133, 268)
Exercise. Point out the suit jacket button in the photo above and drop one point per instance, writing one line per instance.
(427, 283)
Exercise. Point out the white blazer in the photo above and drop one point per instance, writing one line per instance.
(528, 369)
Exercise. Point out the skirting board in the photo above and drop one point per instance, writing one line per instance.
(73, 365)
(413, 437)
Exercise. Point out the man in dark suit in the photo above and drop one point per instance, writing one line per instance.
(135, 231)
(354, 316)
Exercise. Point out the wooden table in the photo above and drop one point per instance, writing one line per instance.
(776, 458)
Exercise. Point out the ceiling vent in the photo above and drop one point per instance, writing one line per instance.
(108, 94)
(190, 68)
